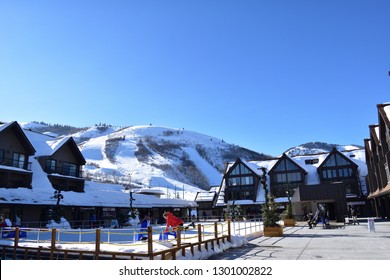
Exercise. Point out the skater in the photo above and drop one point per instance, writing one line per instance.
(144, 227)
(173, 223)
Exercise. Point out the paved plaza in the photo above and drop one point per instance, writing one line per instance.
(349, 242)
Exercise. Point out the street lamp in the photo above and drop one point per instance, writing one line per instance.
(58, 195)
(131, 204)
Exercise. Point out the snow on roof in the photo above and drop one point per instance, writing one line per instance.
(55, 145)
(205, 196)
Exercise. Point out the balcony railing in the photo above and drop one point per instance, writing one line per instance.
(15, 163)
(64, 172)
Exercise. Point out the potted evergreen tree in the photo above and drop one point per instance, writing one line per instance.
(269, 212)
(289, 220)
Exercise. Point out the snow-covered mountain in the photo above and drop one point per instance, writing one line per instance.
(177, 162)
(151, 156)
(317, 148)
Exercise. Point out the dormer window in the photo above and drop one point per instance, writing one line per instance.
(311, 161)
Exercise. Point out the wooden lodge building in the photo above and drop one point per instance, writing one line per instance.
(377, 148)
(335, 179)
(34, 167)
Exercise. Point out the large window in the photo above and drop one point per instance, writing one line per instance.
(241, 183)
(336, 160)
(51, 165)
(18, 160)
(287, 177)
(337, 168)
(240, 169)
(246, 180)
(69, 169)
(286, 172)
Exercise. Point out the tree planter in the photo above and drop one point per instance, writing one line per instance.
(289, 222)
(273, 231)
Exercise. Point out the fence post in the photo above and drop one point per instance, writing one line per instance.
(199, 237)
(229, 231)
(97, 244)
(178, 234)
(216, 232)
(53, 242)
(16, 242)
(150, 242)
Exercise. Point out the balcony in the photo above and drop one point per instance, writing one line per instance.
(15, 163)
(64, 172)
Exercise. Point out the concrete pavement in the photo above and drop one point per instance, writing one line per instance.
(352, 242)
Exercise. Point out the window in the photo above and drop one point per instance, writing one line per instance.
(240, 169)
(69, 169)
(248, 180)
(336, 160)
(311, 161)
(1, 156)
(234, 181)
(287, 177)
(337, 168)
(286, 165)
(18, 160)
(51, 165)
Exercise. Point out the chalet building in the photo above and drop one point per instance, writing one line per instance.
(377, 148)
(335, 179)
(34, 167)
(205, 201)
(15, 151)
(64, 166)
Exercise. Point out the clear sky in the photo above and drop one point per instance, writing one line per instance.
(265, 75)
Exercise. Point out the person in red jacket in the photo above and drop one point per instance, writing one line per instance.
(173, 222)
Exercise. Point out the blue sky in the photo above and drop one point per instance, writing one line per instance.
(265, 75)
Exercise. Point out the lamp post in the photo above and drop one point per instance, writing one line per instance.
(263, 181)
(131, 204)
(58, 195)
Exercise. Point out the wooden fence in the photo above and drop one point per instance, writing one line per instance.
(16, 251)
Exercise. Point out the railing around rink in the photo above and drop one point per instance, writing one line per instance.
(31, 243)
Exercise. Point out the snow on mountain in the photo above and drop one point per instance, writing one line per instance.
(176, 161)
(317, 148)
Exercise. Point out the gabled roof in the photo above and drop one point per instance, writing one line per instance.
(15, 127)
(285, 157)
(205, 196)
(334, 152)
(251, 166)
(69, 141)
